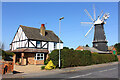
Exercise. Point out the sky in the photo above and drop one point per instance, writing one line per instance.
(33, 14)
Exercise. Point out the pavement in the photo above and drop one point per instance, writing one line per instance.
(106, 70)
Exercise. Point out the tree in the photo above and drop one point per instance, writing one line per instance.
(0, 52)
(117, 47)
(1, 45)
(87, 45)
(72, 49)
(65, 47)
(1, 48)
(5, 54)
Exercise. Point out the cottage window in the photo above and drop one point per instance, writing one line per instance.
(38, 44)
(39, 56)
(55, 45)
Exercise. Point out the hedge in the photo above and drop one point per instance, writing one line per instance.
(6, 55)
(71, 58)
(103, 58)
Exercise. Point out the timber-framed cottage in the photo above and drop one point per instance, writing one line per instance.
(32, 45)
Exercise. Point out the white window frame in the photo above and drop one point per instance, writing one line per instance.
(39, 56)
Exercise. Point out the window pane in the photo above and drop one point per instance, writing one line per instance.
(38, 54)
(41, 58)
(38, 58)
(38, 43)
(41, 55)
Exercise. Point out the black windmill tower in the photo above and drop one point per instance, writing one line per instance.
(99, 40)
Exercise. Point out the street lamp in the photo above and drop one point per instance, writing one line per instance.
(59, 40)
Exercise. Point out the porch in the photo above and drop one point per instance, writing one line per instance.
(27, 56)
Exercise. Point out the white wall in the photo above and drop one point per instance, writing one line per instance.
(45, 45)
(20, 35)
(51, 46)
(31, 45)
(61, 45)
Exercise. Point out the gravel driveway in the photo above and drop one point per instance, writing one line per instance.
(27, 68)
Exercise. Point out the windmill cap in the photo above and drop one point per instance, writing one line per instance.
(98, 21)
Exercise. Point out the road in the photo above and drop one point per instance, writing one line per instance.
(110, 72)
(101, 72)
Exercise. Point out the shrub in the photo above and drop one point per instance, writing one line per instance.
(42, 67)
(19, 63)
(71, 58)
(6, 55)
(72, 49)
(94, 53)
(116, 58)
(67, 57)
(65, 48)
(103, 58)
(54, 56)
(87, 57)
(117, 47)
(46, 62)
(118, 53)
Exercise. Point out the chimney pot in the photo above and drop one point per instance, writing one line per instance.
(42, 25)
(42, 30)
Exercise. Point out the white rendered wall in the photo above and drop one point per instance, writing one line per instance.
(45, 46)
(51, 46)
(20, 35)
(61, 45)
(31, 45)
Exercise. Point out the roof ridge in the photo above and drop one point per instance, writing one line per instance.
(28, 27)
(34, 28)
(33, 33)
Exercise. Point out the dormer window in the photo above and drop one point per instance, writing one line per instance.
(38, 44)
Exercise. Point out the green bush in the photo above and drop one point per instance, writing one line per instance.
(65, 47)
(19, 63)
(118, 53)
(71, 58)
(116, 58)
(46, 62)
(6, 55)
(54, 56)
(42, 67)
(117, 47)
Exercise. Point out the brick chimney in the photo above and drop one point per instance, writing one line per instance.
(42, 30)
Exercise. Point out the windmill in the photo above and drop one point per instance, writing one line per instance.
(99, 40)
